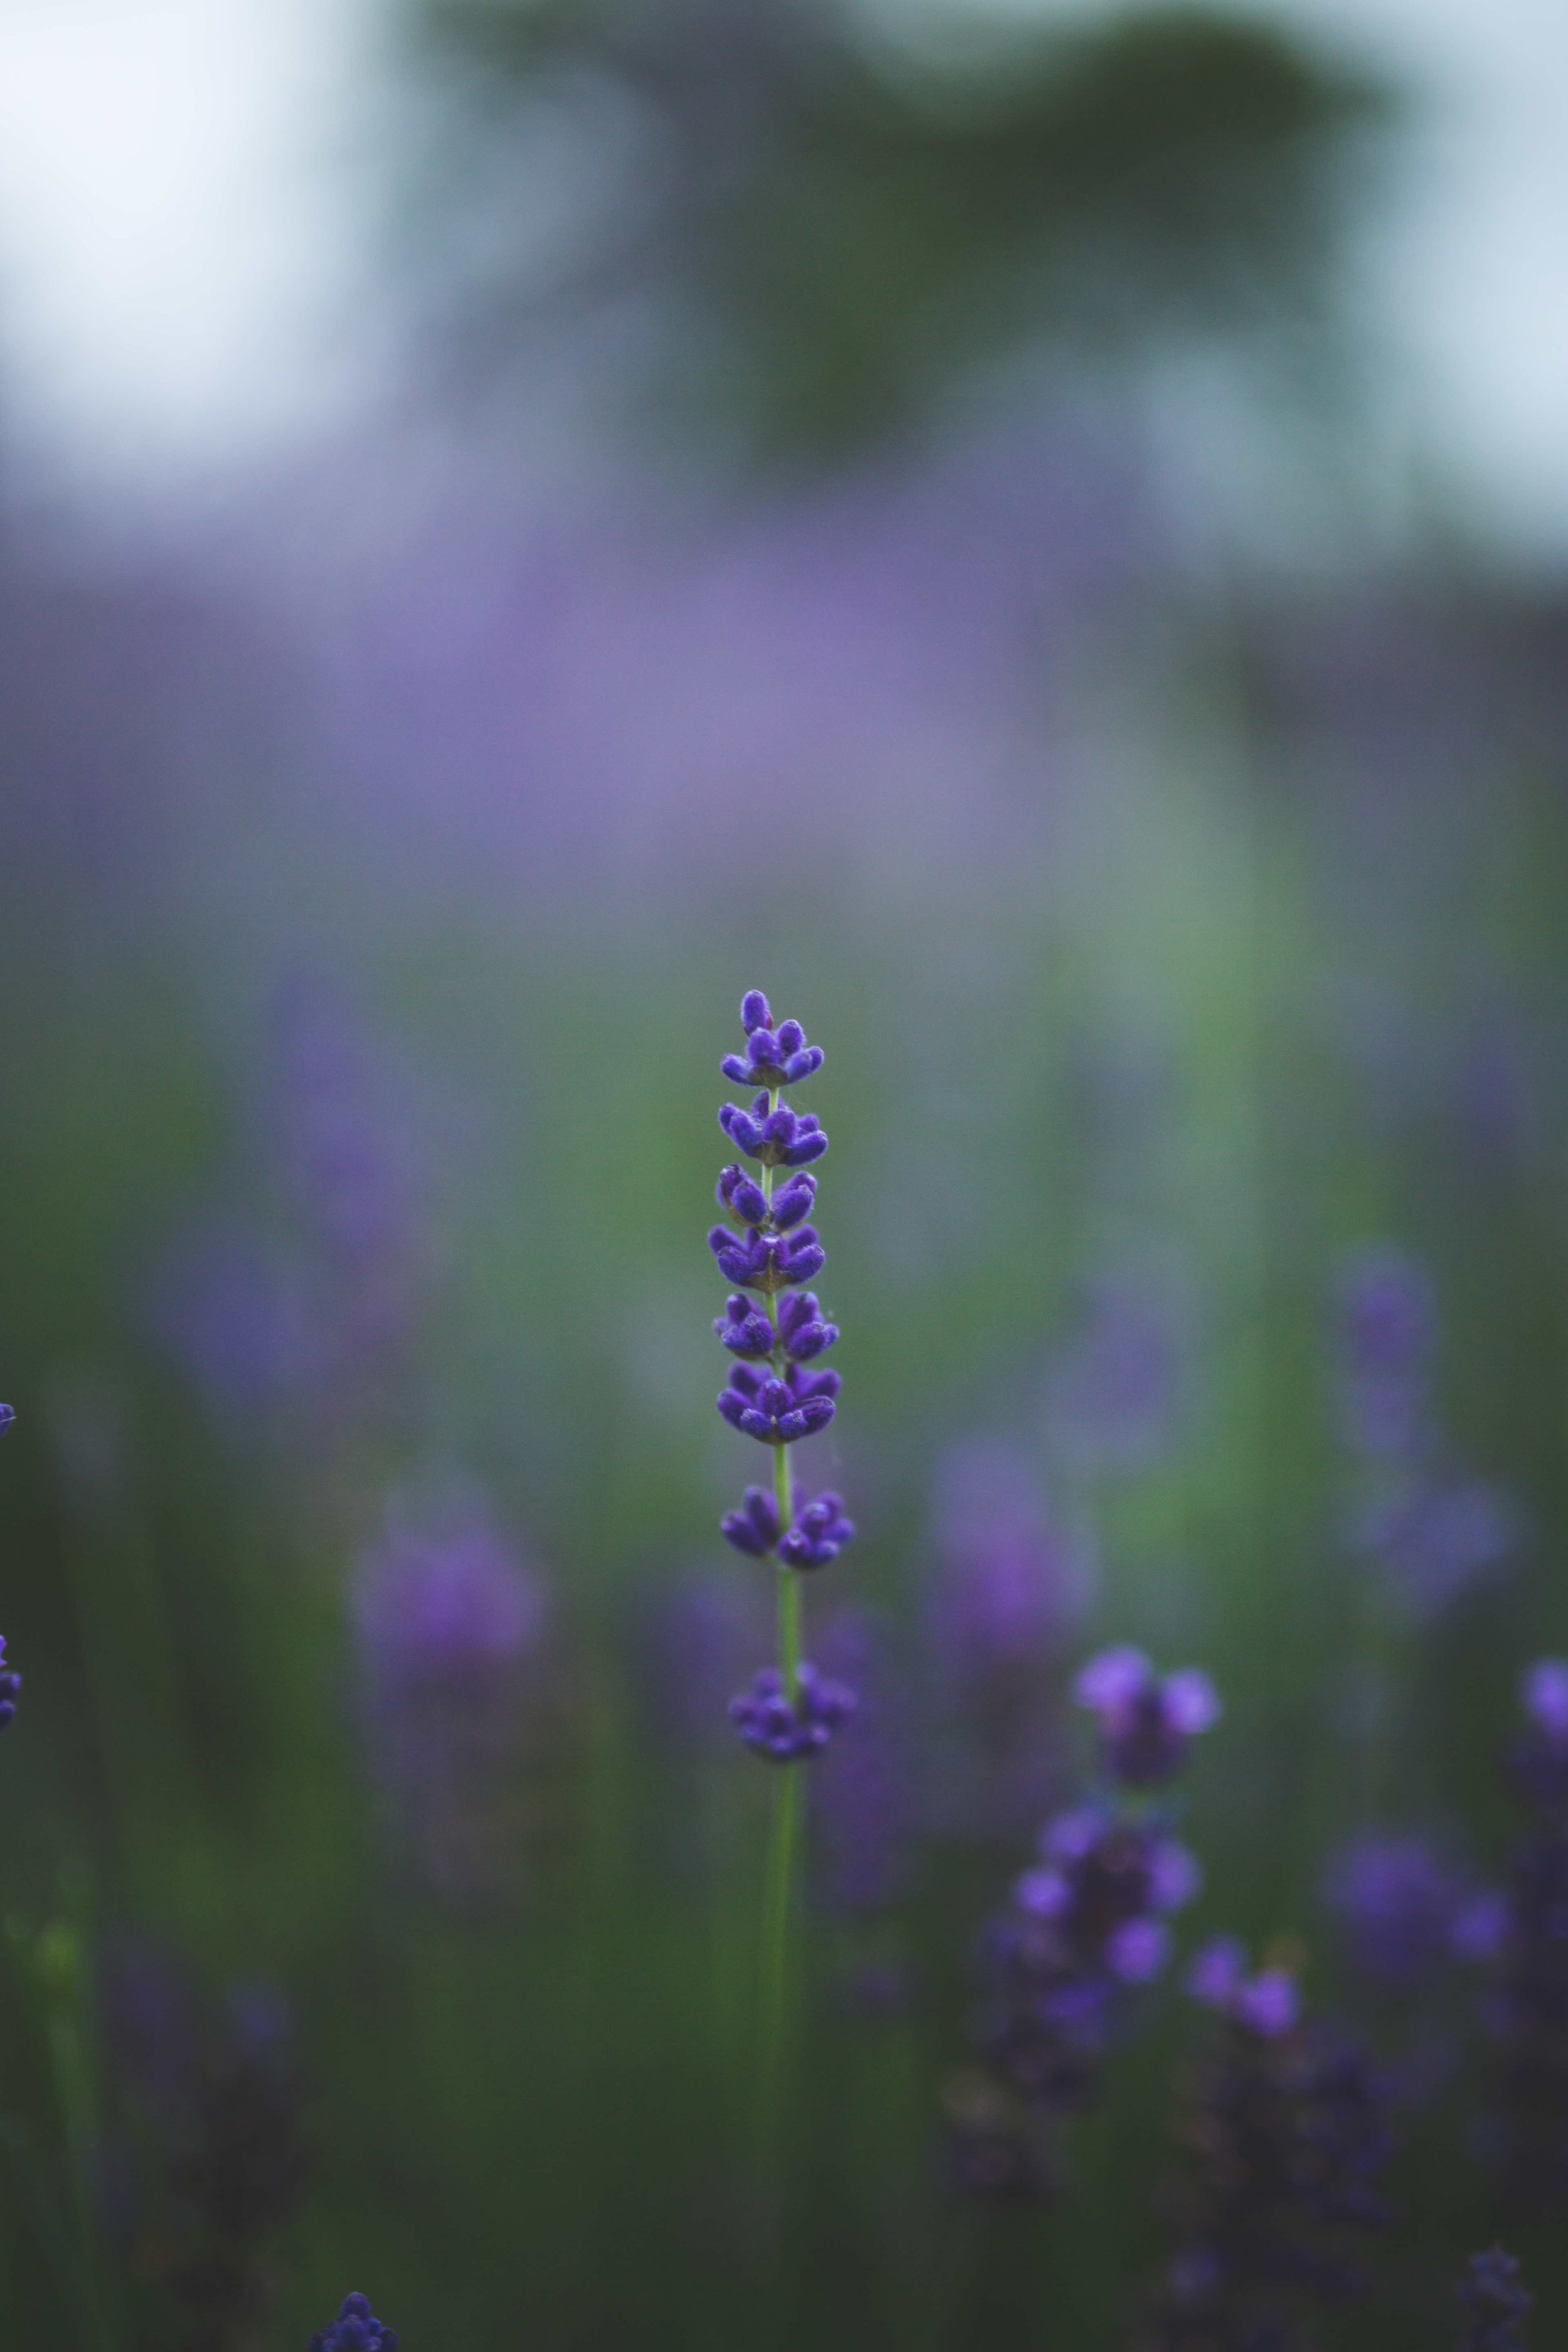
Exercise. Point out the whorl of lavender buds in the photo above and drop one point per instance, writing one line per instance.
(784, 1732)
(1496, 2304)
(773, 1058)
(818, 1534)
(1147, 1722)
(778, 1411)
(779, 1138)
(10, 1688)
(355, 2329)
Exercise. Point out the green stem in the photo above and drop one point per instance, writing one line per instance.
(778, 1920)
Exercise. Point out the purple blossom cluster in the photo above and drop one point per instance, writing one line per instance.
(448, 1625)
(1428, 1530)
(355, 2329)
(1009, 1586)
(1087, 1927)
(775, 1329)
(1285, 2138)
(1405, 1909)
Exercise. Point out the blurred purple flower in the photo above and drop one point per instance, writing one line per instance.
(449, 1627)
(1403, 1908)
(1114, 1393)
(1009, 1586)
(232, 1308)
(1386, 1337)
(864, 1795)
(1437, 1540)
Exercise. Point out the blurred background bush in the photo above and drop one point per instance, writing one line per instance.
(937, 513)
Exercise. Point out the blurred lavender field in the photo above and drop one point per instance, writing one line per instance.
(385, 855)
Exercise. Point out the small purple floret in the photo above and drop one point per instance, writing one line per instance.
(784, 1733)
(755, 1527)
(744, 1329)
(10, 1688)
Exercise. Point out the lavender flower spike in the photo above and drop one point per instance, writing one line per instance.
(355, 2329)
(1496, 2304)
(766, 1248)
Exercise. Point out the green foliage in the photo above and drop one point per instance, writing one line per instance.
(836, 240)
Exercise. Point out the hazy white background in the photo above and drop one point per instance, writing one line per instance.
(188, 227)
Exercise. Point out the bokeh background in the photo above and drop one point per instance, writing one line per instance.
(1036, 534)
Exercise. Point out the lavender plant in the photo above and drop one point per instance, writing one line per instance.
(1285, 2138)
(772, 1396)
(1084, 1930)
(775, 1397)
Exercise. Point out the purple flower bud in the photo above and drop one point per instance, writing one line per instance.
(742, 1259)
(743, 1131)
(743, 1196)
(755, 1527)
(800, 1257)
(755, 1013)
(792, 1203)
(790, 1036)
(8, 1415)
(10, 1688)
(804, 1331)
(744, 1329)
